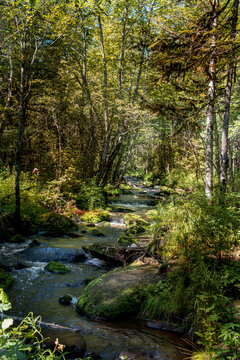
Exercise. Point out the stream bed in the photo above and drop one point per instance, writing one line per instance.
(38, 291)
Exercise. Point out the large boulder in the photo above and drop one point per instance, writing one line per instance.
(118, 293)
(57, 223)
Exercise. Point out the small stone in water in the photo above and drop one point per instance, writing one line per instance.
(65, 300)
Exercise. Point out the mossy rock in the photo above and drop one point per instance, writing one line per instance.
(135, 223)
(57, 268)
(95, 216)
(5, 279)
(17, 239)
(57, 223)
(127, 239)
(118, 293)
(119, 209)
(96, 232)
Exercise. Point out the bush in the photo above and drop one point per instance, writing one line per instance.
(24, 341)
(91, 197)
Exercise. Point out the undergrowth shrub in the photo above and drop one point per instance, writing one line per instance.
(24, 341)
(198, 239)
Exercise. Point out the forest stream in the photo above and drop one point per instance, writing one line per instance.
(38, 291)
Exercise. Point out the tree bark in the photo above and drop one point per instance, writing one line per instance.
(227, 102)
(211, 110)
(21, 120)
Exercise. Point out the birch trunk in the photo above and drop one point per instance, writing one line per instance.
(227, 102)
(211, 110)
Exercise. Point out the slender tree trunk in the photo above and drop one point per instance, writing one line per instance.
(9, 94)
(211, 110)
(122, 53)
(92, 145)
(227, 102)
(106, 122)
(21, 120)
(217, 148)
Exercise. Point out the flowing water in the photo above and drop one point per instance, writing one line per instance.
(36, 290)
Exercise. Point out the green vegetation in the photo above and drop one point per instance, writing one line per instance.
(5, 279)
(198, 241)
(56, 222)
(94, 217)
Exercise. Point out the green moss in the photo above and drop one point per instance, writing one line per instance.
(118, 293)
(57, 268)
(56, 222)
(17, 239)
(5, 279)
(135, 223)
(95, 216)
(127, 239)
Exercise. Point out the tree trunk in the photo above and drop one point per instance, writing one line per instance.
(210, 110)
(227, 101)
(21, 119)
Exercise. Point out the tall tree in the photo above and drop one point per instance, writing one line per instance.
(227, 101)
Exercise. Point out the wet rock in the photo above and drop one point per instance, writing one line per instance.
(119, 209)
(165, 326)
(13, 262)
(5, 279)
(136, 354)
(81, 257)
(65, 234)
(117, 294)
(57, 268)
(65, 300)
(73, 285)
(96, 232)
(34, 243)
(45, 254)
(74, 344)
